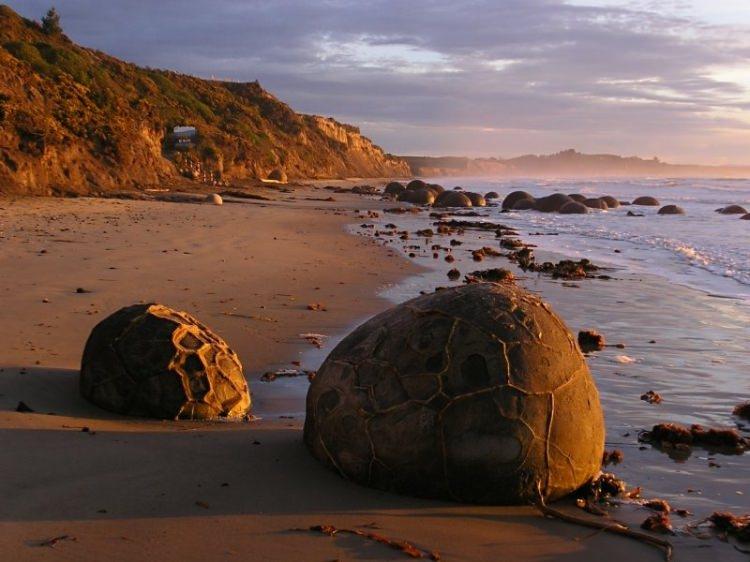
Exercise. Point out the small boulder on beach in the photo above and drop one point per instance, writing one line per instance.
(671, 210)
(477, 200)
(646, 201)
(512, 198)
(452, 199)
(214, 199)
(732, 210)
(574, 208)
(596, 203)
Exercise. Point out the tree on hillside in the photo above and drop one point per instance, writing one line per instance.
(51, 22)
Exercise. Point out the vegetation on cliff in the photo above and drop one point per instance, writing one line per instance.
(75, 120)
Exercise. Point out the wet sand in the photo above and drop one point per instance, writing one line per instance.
(132, 489)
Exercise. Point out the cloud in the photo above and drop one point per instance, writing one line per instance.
(483, 77)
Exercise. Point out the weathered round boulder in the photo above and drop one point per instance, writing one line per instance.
(745, 217)
(646, 201)
(214, 199)
(552, 203)
(671, 210)
(491, 195)
(574, 208)
(524, 204)
(416, 184)
(577, 197)
(417, 196)
(596, 203)
(436, 188)
(394, 189)
(732, 210)
(513, 197)
(452, 199)
(477, 200)
(612, 202)
(278, 175)
(476, 393)
(150, 360)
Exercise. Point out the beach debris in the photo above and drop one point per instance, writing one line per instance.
(317, 307)
(195, 374)
(658, 523)
(624, 359)
(651, 397)
(663, 506)
(52, 543)
(239, 194)
(590, 340)
(742, 410)
(449, 258)
(315, 339)
(680, 437)
(407, 548)
(425, 233)
(493, 275)
(454, 274)
(729, 524)
(81, 291)
(23, 408)
(271, 376)
(202, 504)
(615, 456)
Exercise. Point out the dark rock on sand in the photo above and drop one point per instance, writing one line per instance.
(574, 208)
(632, 214)
(552, 203)
(597, 203)
(590, 340)
(150, 360)
(477, 200)
(646, 201)
(421, 400)
(671, 210)
(512, 198)
(732, 210)
(452, 199)
(494, 275)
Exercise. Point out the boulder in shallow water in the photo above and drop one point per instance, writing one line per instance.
(477, 200)
(745, 217)
(646, 201)
(416, 184)
(577, 197)
(732, 210)
(513, 197)
(421, 400)
(452, 199)
(551, 203)
(436, 188)
(574, 208)
(491, 195)
(394, 189)
(611, 202)
(671, 210)
(525, 204)
(596, 203)
(417, 196)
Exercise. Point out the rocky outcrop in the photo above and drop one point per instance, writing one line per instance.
(75, 120)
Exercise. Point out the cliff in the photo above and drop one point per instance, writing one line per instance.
(75, 120)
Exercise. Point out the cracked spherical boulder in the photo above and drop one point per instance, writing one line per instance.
(476, 393)
(149, 360)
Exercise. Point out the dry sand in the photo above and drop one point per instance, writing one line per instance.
(132, 489)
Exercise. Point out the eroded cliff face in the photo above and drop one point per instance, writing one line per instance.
(75, 120)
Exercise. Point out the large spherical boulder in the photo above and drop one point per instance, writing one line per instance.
(745, 217)
(149, 360)
(491, 195)
(646, 201)
(417, 196)
(477, 200)
(577, 197)
(524, 205)
(574, 208)
(436, 188)
(671, 210)
(552, 203)
(732, 210)
(452, 199)
(416, 184)
(513, 197)
(476, 393)
(394, 189)
(596, 203)
(612, 202)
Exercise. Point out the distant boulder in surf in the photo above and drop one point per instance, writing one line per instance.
(577, 197)
(596, 203)
(646, 201)
(394, 189)
(417, 196)
(632, 214)
(512, 198)
(491, 195)
(452, 199)
(745, 217)
(732, 210)
(416, 184)
(436, 188)
(611, 202)
(574, 208)
(477, 200)
(524, 204)
(671, 210)
(552, 203)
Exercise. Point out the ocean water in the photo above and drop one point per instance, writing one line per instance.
(702, 249)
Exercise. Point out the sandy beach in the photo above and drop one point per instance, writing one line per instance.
(133, 489)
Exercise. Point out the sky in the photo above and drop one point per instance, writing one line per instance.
(666, 78)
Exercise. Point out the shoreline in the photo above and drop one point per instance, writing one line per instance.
(131, 485)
